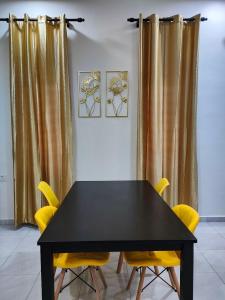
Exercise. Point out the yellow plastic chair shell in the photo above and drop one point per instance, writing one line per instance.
(43, 216)
(50, 196)
(187, 215)
(190, 218)
(161, 185)
(166, 259)
(72, 260)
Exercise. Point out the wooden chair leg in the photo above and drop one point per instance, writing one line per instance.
(56, 276)
(175, 280)
(131, 277)
(171, 278)
(92, 281)
(120, 262)
(141, 282)
(101, 275)
(60, 282)
(95, 281)
(156, 270)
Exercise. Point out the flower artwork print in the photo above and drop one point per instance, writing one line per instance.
(89, 94)
(116, 93)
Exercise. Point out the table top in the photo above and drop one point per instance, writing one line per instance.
(114, 216)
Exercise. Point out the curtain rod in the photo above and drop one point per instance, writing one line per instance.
(169, 19)
(48, 18)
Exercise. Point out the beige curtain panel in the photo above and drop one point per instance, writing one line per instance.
(41, 112)
(167, 106)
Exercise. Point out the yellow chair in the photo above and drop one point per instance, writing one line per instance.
(159, 187)
(66, 261)
(50, 196)
(166, 259)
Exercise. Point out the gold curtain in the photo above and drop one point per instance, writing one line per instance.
(167, 106)
(41, 112)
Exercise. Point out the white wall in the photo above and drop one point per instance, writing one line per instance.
(106, 148)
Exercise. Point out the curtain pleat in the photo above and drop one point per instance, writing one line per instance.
(41, 112)
(167, 106)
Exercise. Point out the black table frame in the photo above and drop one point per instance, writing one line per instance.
(47, 249)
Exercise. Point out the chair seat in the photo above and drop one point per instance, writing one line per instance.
(75, 260)
(152, 258)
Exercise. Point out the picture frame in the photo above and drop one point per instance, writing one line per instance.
(116, 94)
(89, 98)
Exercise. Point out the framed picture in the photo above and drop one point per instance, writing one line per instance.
(89, 94)
(117, 94)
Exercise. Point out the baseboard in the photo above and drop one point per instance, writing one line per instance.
(6, 221)
(212, 218)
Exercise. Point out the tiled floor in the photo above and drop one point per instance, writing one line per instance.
(20, 269)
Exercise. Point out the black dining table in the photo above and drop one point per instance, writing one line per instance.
(98, 216)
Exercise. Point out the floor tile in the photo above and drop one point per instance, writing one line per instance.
(203, 229)
(33, 232)
(3, 258)
(16, 286)
(21, 263)
(222, 276)
(208, 286)
(212, 241)
(11, 231)
(216, 259)
(222, 234)
(8, 244)
(201, 264)
(28, 244)
(35, 292)
(217, 226)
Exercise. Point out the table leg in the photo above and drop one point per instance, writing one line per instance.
(47, 273)
(186, 272)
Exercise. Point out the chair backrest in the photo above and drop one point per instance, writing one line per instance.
(161, 185)
(188, 215)
(45, 188)
(43, 216)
